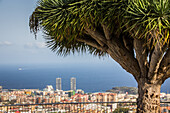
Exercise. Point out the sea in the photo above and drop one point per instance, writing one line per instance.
(90, 78)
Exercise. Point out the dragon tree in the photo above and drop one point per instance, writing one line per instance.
(135, 33)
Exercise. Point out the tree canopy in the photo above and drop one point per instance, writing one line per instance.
(65, 22)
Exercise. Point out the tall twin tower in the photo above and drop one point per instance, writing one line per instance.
(72, 83)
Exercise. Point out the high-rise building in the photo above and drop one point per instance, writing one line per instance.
(73, 83)
(58, 83)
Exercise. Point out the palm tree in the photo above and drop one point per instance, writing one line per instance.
(135, 33)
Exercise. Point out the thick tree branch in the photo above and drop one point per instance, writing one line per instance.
(166, 59)
(90, 42)
(165, 74)
(156, 59)
(118, 50)
(164, 70)
(128, 43)
(121, 55)
(106, 31)
(141, 56)
(96, 35)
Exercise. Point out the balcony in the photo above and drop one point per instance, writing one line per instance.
(78, 107)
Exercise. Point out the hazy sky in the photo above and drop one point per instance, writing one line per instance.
(17, 44)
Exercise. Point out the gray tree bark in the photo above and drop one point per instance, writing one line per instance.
(149, 97)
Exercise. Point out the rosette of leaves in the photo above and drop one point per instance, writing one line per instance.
(149, 19)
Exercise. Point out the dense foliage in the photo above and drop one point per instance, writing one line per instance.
(64, 21)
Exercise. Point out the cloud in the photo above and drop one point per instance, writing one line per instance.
(38, 45)
(5, 43)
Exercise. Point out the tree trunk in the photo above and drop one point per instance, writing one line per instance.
(149, 97)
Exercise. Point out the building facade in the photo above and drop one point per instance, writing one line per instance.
(58, 83)
(73, 83)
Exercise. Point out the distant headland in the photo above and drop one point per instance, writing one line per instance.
(130, 90)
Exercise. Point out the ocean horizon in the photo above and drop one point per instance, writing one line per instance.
(90, 78)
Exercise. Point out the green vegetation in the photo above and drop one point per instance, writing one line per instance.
(121, 110)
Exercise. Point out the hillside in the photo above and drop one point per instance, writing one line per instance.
(130, 90)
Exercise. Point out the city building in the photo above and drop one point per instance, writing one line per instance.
(49, 88)
(58, 83)
(80, 91)
(0, 88)
(106, 97)
(73, 83)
